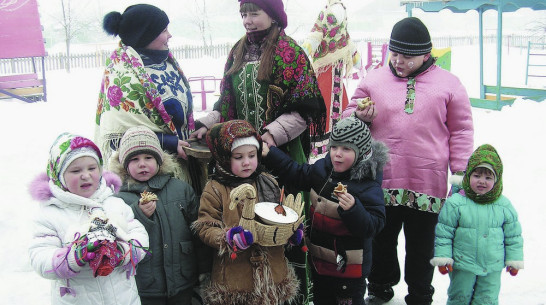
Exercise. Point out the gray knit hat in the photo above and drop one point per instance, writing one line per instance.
(353, 133)
(139, 140)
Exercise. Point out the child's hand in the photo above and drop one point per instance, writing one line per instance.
(445, 269)
(148, 208)
(265, 150)
(346, 200)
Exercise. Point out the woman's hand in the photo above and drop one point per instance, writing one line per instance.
(265, 151)
(180, 149)
(268, 139)
(199, 133)
(367, 114)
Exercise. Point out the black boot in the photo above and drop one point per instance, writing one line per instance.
(379, 294)
(415, 298)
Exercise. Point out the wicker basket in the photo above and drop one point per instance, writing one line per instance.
(264, 234)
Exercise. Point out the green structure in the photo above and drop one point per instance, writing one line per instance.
(501, 6)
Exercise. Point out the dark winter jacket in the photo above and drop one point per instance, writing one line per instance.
(177, 255)
(334, 231)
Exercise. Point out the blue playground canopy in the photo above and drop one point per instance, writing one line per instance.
(501, 6)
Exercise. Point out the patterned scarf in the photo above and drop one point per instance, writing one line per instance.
(484, 154)
(129, 97)
(292, 87)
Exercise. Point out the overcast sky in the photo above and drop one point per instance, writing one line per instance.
(366, 18)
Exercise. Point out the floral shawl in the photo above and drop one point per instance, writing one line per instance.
(128, 97)
(292, 86)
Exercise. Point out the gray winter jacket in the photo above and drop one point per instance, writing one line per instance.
(177, 255)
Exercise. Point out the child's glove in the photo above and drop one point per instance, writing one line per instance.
(513, 271)
(238, 239)
(445, 269)
(84, 251)
(297, 237)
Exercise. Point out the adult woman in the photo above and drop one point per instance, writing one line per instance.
(143, 84)
(269, 82)
(423, 114)
(333, 55)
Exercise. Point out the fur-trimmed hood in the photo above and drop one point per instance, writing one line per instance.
(40, 188)
(369, 168)
(170, 166)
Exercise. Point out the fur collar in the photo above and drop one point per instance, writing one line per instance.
(40, 189)
(370, 167)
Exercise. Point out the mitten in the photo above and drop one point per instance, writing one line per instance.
(513, 266)
(445, 269)
(513, 271)
(445, 264)
(238, 239)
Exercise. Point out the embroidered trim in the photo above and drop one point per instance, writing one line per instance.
(410, 96)
(414, 200)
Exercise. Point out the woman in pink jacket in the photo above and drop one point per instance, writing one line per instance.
(423, 114)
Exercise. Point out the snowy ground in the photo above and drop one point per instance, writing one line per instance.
(517, 132)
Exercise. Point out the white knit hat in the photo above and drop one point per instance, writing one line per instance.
(139, 140)
(245, 141)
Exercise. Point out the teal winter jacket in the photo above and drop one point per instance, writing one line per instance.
(480, 238)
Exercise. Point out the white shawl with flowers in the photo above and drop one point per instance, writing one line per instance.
(127, 98)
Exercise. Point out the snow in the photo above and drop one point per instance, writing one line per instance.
(517, 132)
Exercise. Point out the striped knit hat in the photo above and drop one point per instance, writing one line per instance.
(353, 133)
(139, 140)
(410, 37)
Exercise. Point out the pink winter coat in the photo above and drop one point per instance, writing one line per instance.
(422, 145)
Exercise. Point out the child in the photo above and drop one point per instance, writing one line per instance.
(478, 233)
(169, 274)
(86, 240)
(342, 224)
(250, 274)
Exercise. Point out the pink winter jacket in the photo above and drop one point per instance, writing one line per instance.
(422, 145)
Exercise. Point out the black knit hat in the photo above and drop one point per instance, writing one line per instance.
(139, 24)
(410, 37)
(353, 133)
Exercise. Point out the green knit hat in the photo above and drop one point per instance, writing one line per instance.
(484, 156)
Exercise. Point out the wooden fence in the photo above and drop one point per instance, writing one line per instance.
(96, 59)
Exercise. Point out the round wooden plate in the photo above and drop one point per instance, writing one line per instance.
(198, 149)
